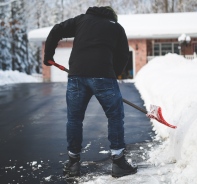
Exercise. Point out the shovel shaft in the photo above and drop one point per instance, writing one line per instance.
(158, 115)
(124, 100)
(135, 106)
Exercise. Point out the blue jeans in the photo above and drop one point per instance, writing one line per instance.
(107, 92)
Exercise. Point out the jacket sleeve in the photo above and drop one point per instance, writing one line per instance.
(121, 54)
(65, 29)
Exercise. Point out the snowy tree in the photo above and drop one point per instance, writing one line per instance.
(166, 6)
(14, 51)
(38, 15)
(141, 6)
(5, 37)
(19, 37)
(186, 5)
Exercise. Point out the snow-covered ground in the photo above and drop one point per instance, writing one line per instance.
(10, 77)
(169, 82)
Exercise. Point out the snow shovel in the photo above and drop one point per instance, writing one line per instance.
(154, 113)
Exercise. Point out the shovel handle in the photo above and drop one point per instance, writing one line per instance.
(124, 100)
(159, 118)
(135, 106)
(58, 66)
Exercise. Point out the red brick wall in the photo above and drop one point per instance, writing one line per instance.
(46, 71)
(140, 52)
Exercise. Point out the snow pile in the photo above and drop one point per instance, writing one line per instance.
(171, 82)
(10, 77)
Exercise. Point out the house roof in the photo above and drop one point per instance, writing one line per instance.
(150, 26)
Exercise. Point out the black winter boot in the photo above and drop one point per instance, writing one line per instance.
(120, 167)
(72, 166)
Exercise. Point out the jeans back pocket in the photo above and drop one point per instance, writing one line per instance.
(72, 88)
(104, 87)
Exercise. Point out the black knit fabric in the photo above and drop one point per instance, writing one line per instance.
(100, 47)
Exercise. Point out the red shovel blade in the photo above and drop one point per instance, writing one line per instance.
(156, 113)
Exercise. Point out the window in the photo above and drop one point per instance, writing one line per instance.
(166, 48)
(156, 49)
(161, 49)
(176, 48)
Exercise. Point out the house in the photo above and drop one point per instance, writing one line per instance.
(149, 36)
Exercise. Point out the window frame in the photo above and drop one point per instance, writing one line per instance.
(160, 47)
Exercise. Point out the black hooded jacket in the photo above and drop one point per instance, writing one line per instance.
(100, 47)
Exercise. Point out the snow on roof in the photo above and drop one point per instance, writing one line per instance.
(163, 25)
(39, 34)
(137, 26)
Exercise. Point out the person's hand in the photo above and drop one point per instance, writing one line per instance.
(47, 63)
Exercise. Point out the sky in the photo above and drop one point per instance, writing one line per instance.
(170, 82)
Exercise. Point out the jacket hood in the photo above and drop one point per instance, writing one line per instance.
(104, 11)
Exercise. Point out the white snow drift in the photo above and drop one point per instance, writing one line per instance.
(171, 82)
(10, 77)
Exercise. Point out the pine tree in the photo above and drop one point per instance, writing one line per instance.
(19, 38)
(5, 37)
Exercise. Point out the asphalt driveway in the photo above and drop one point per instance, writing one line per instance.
(33, 131)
